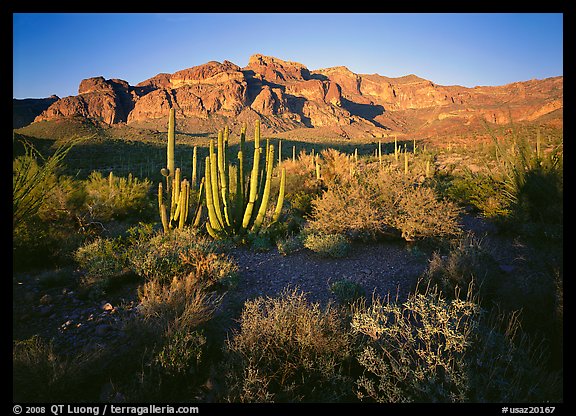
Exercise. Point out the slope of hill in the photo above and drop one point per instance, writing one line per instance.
(290, 100)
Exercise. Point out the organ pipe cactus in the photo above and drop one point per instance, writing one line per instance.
(194, 167)
(177, 189)
(405, 160)
(171, 142)
(246, 210)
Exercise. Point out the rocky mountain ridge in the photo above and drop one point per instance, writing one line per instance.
(287, 97)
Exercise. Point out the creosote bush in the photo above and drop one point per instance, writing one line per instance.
(377, 202)
(102, 259)
(287, 350)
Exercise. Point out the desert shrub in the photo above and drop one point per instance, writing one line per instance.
(347, 291)
(41, 231)
(40, 374)
(375, 202)
(532, 181)
(300, 173)
(301, 205)
(301, 183)
(64, 202)
(414, 352)
(101, 259)
(480, 191)
(182, 354)
(42, 243)
(180, 304)
(329, 245)
(261, 242)
(289, 244)
(32, 181)
(171, 330)
(430, 349)
(115, 197)
(347, 209)
(180, 252)
(420, 214)
(468, 262)
(336, 167)
(287, 350)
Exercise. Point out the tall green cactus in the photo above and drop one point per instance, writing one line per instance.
(405, 161)
(194, 167)
(171, 140)
(246, 210)
(266, 192)
(253, 179)
(177, 188)
(280, 201)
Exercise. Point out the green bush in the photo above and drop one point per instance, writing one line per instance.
(115, 197)
(40, 374)
(468, 263)
(162, 256)
(347, 291)
(32, 182)
(289, 244)
(532, 180)
(482, 192)
(287, 350)
(43, 209)
(183, 353)
(101, 259)
(329, 245)
(430, 349)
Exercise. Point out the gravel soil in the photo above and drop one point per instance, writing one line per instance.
(52, 305)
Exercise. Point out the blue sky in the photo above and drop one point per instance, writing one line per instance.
(53, 52)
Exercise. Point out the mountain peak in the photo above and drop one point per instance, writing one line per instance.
(286, 96)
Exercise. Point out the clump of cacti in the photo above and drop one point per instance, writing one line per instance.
(245, 211)
(229, 211)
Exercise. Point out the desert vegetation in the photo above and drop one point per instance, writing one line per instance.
(476, 325)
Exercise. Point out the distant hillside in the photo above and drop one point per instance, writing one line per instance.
(25, 111)
(291, 100)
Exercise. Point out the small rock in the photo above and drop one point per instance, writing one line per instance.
(107, 307)
(46, 299)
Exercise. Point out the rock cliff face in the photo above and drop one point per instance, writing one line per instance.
(286, 95)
